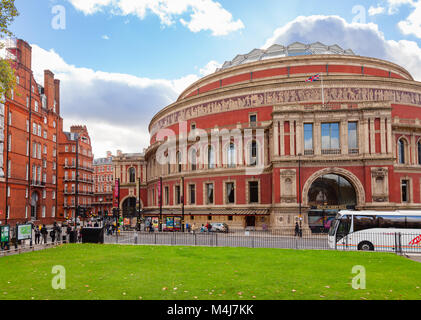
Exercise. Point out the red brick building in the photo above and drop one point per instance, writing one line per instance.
(130, 171)
(30, 124)
(352, 140)
(76, 178)
(103, 185)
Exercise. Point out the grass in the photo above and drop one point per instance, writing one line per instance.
(190, 273)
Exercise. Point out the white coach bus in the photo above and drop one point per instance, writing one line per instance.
(376, 230)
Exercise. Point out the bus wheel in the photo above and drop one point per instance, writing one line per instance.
(366, 246)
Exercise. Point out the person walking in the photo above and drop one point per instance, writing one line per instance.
(68, 232)
(37, 235)
(44, 233)
(297, 230)
(53, 235)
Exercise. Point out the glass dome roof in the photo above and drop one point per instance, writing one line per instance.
(278, 51)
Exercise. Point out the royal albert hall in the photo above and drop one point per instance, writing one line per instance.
(350, 140)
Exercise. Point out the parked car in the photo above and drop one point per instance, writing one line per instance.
(219, 227)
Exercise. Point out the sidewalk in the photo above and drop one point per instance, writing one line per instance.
(27, 248)
(416, 258)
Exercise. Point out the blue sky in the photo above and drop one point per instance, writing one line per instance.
(145, 52)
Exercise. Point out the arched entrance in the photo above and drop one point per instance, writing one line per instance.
(34, 205)
(327, 194)
(129, 207)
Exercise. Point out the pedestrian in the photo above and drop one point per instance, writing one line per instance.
(53, 235)
(187, 227)
(297, 230)
(37, 235)
(68, 231)
(194, 228)
(44, 233)
(209, 227)
(57, 231)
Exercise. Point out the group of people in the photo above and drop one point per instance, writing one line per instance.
(111, 228)
(193, 228)
(42, 231)
(55, 234)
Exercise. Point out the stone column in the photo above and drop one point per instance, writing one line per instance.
(365, 140)
(300, 139)
(281, 136)
(383, 135)
(372, 137)
(317, 144)
(389, 136)
(343, 131)
(275, 137)
(412, 150)
(292, 138)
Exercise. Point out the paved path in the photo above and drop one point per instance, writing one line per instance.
(416, 258)
(27, 248)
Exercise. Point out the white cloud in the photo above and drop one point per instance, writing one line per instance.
(372, 11)
(412, 24)
(395, 4)
(210, 68)
(105, 37)
(115, 107)
(363, 39)
(204, 14)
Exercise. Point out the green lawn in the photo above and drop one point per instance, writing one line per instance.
(152, 272)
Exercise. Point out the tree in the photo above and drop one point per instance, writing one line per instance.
(8, 12)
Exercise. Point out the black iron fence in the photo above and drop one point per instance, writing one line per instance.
(282, 239)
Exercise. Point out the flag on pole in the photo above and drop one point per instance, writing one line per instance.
(318, 77)
(313, 78)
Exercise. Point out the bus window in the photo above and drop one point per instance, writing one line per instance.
(343, 229)
(364, 222)
(391, 222)
(413, 222)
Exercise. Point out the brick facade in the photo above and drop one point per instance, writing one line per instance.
(367, 135)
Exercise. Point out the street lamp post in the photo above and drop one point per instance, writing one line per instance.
(160, 204)
(101, 209)
(77, 183)
(182, 205)
(299, 194)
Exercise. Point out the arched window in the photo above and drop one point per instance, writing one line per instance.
(132, 175)
(211, 157)
(419, 152)
(193, 159)
(231, 155)
(253, 153)
(402, 151)
(180, 167)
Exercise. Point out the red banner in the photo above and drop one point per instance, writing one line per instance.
(159, 192)
(116, 193)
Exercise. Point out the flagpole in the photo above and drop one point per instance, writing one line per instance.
(323, 91)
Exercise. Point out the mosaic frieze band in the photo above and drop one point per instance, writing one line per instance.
(288, 96)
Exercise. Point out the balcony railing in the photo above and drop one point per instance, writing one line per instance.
(309, 152)
(331, 151)
(353, 151)
(36, 183)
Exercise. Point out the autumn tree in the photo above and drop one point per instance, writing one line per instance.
(8, 12)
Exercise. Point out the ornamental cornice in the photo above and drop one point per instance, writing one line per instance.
(261, 94)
